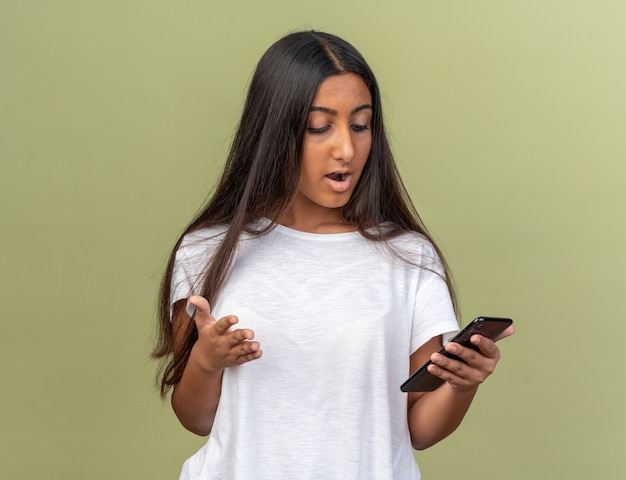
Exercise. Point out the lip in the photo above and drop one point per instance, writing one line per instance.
(340, 186)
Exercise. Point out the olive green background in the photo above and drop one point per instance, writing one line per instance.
(508, 121)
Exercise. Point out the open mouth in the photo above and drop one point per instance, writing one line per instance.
(337, 177)
(339, 182)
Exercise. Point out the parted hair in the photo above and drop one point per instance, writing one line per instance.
(261, 173)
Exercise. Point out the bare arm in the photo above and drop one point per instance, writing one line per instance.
(434, 415)
(196, 397)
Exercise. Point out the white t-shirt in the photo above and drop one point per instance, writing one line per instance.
(337, 317)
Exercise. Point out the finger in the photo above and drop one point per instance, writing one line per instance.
(507, 333)
(223, 324)
(478, 360)
(241, 335)
(249, 357)
(486, 346)
(458, 373)
(457, 381)
(445, 363)
(202, 310)
(467, 354)
(246, 348)
(452, 377)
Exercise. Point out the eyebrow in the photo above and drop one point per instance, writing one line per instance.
(330, 111)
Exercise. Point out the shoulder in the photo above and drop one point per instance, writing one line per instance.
(413, 243)
(416, 249)
(202, 235)
(201, 241)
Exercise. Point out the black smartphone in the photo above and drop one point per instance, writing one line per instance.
(424, 381)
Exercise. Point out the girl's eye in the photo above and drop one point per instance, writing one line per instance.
(317, 130)
(360, 128)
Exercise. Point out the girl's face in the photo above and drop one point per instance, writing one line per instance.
(336, 145)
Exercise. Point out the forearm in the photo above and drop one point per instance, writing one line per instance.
(437, 414)
(196, 397)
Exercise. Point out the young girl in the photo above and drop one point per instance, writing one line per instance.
(306, 291)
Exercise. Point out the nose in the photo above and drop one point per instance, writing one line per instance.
(343, 148)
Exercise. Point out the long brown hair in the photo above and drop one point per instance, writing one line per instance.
(261, 174)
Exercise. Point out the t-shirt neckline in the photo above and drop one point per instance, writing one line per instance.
(331, 236)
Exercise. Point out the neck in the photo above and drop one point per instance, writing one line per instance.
(330, 221)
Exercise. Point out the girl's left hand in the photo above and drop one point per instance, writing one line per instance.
(479, 364)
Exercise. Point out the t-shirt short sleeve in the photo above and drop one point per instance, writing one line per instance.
(433, 312)
(190, 264)
(182, 285)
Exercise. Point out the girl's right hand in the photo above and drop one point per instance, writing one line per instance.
(218, 346)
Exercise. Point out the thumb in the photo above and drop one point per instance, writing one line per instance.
(507, 333)
(200, 310)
